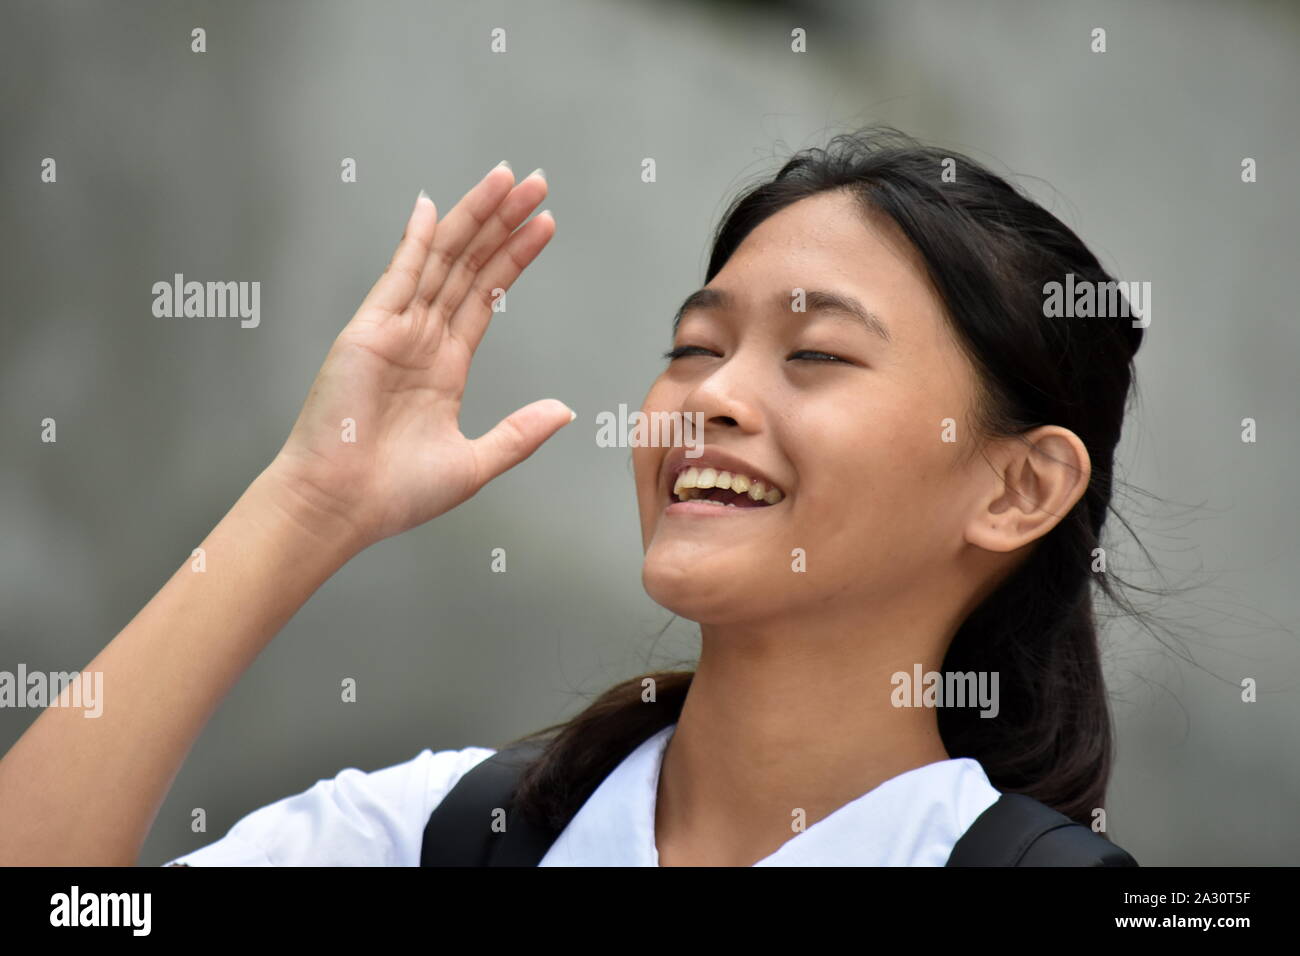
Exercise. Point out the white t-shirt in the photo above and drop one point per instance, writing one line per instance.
(378, 819)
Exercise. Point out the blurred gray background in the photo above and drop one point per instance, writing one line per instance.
(226, 165)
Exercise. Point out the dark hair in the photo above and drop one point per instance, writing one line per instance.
(989, 251)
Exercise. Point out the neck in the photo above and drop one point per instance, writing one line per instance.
(783, 716)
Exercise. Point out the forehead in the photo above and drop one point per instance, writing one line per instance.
(829, 231)
(828, 241)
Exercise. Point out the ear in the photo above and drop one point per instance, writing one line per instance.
(1036, 479)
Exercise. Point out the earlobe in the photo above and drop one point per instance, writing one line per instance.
(1036, 479)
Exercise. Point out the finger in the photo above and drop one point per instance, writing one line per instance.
(523, 199)
(517, 436)
(396, 287)
(460, 226)
(471, 319)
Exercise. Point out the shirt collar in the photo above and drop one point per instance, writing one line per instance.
(913, 819)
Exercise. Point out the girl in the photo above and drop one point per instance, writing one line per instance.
(906, 468)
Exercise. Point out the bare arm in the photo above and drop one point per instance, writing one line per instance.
(78, 790)
(85, 791)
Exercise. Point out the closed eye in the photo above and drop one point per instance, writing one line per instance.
(815, 356)
(681, 350)
(821, 356)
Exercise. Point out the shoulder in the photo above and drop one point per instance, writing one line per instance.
(1074, 844)
(1017, 830)
(355, 818)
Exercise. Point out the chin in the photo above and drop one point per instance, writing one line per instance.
(690, 592)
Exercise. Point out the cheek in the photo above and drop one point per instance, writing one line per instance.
(880, 478)
(646, 464)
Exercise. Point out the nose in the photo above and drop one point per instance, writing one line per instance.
(727, 398)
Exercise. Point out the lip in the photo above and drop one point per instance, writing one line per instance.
(676, 462)
(698, 509)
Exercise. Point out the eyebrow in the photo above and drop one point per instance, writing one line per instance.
(816, 301)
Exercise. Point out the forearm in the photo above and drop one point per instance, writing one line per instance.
(79, 790)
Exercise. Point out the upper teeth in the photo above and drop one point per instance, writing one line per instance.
(703, 478)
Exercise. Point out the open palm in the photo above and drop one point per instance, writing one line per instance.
(378, 440)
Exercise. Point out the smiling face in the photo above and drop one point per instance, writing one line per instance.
(867, 486)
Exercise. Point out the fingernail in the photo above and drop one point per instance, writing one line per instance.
(572, 413)
(423, 195)
(537, 172)
(545, 211)
(503, 163)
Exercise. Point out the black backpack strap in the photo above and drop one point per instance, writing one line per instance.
(460, 830)
(1020, 831)
(1015, 830)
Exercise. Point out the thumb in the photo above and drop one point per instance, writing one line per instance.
(518, 435)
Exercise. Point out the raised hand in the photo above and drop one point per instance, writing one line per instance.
(378, 442)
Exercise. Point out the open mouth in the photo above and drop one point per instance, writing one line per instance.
(724, 489)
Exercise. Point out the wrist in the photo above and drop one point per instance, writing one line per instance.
(301, 509)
